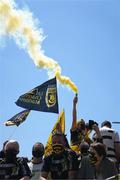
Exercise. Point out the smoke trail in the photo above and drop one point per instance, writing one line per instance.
(20, 25)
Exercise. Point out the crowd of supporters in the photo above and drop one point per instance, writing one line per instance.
(86, 157)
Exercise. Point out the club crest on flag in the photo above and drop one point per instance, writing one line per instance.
(50, 97)
(41, 98)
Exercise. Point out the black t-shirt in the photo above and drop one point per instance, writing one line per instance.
(14, 170)
(59, 166)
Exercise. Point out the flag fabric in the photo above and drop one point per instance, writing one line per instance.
(59, 126)
(18, 118)
(42, 98)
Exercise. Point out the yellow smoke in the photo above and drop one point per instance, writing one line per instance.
(20, 25)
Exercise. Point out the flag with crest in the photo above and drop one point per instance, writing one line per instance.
(41, 98)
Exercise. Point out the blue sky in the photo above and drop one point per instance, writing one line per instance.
(83, 36)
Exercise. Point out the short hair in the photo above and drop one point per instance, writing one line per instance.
(81, 121)
(84, 147)
(40, 144)
(12, 143)
(106, 123)
(99, 148)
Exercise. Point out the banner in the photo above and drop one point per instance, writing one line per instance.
(42, 98)
(59, 126)
(18, 118)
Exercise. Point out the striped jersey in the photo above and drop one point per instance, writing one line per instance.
(110, 137)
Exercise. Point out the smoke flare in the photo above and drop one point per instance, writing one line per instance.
(22, 27)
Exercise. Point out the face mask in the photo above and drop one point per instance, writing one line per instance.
(37, 153)
(10, 155)
(57, 148)
(93, 158)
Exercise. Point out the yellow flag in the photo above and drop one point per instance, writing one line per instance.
(59, 126)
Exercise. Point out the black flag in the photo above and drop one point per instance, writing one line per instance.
(18, 118)
(41, 98)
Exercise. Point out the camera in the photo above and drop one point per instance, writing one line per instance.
(91, 123)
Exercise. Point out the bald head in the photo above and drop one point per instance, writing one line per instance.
(12, 144)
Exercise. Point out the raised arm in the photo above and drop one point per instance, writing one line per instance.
(74, 113)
